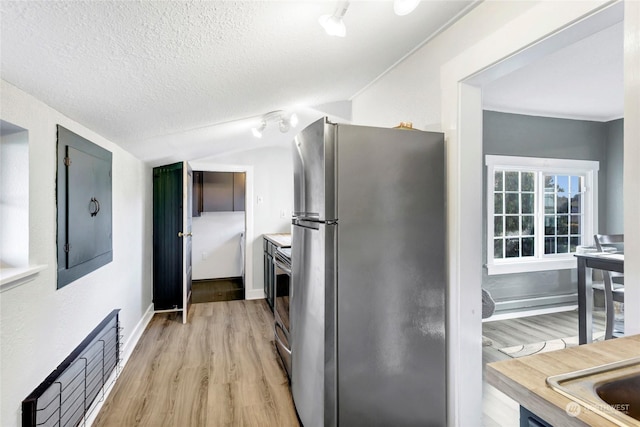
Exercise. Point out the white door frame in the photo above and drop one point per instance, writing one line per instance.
(248, 218)
(499, 53)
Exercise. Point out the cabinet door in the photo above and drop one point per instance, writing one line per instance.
(217, 192)
(239, 182)
(84, 232)
(197, 193)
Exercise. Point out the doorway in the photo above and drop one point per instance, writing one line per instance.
(462, 80)
(219, 224)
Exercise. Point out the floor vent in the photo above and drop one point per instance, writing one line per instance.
(67, 395)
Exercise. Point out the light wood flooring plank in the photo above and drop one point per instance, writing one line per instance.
(499, 410)
(220, 369)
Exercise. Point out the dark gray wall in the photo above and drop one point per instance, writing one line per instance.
(530, 136)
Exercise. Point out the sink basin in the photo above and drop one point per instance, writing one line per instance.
(611, 390)
(623, 394)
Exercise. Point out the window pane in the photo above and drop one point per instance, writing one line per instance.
(563, 224)
(498, 203)
(562, 184)
(576, 203)
(549, 245)
(497, 226)
(528, 203)
(498, 181)
(563, 203)
(527, 246)
(512, 226)
(528, 225)
(549, 203)
(512, 203)
(575, 224)
(511, 181)
(549, 225)
(549, 184)
(575, 242)
(563, 245)
(512, 248)
(528, 181)
(497, 248)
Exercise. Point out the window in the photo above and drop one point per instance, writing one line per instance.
(538, 212)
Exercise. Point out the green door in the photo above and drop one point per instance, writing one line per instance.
(172, 199)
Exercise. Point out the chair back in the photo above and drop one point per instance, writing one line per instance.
(610, 278)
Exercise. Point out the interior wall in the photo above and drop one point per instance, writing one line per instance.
(426, 88)
(14, 199)
(533, 136)
(41, 325)
(272, 197)
(613, 204)
(216, 245)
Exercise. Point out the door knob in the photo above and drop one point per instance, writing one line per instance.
(181, 234)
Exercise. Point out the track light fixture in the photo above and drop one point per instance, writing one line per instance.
(333, 24)
(257, 131)
(404, 7)
(284, 120)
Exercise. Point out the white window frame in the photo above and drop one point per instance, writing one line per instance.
(541, 262)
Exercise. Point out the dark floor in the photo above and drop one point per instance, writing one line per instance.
(213, 290)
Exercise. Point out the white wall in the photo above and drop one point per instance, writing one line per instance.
(39, 325)
(273, 185)
(14, 200)
(216, 245)
(426, 89)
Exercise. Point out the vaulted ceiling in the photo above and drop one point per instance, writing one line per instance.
(188, 79)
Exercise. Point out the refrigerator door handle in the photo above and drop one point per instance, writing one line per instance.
(315, 225)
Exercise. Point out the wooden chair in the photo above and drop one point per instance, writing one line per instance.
(613, 285)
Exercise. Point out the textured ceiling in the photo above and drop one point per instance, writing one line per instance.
(182, 80)
(141, 73)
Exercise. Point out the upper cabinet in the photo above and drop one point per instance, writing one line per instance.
(218, 192)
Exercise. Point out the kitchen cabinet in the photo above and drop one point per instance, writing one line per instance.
(218, 192)
(84, 234)
(529, 419)
(270, 243)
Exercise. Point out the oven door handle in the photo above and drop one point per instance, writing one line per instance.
(283, 267)
(275, 333)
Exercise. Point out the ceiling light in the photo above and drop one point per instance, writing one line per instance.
(293, 119)
(285, 122)
(404, 7)
(257, 132)
(333, 24)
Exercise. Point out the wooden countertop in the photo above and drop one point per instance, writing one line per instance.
(524, 379)
(282, 240)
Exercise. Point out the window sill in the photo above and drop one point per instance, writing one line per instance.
(13, 277)
(531, 266)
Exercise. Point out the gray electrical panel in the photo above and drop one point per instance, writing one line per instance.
(84, 203)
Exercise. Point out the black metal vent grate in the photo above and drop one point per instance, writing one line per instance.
(66, 396)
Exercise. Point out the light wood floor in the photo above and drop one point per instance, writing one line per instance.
(499, 410)
(220, 369)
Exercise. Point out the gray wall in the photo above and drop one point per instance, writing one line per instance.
(530, 136)
(613, 201)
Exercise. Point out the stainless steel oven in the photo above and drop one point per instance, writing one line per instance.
(282, 291)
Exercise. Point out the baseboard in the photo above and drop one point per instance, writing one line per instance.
(135, 336)
(254, 294)
(530, 312)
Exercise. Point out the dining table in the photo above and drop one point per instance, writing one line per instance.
(605, 261)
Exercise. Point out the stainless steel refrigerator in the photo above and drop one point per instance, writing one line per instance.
(368, 271)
